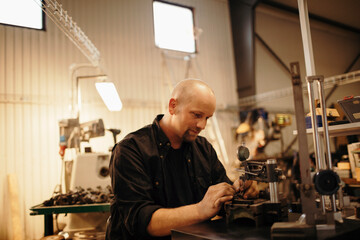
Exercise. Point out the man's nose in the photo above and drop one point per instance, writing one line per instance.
(201, 123)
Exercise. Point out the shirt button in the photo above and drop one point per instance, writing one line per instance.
(160, 144)
(189, 160)
(157, 183)
(168, 144)
(161, 156)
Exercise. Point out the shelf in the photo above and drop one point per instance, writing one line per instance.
(329, 82)
(41, 209)
(338, 130)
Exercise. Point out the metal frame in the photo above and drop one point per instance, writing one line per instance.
(69, 27)
(311, 78)
(307, 193)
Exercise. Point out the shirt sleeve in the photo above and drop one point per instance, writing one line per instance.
(132, 189)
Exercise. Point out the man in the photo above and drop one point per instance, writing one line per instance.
(165, 175)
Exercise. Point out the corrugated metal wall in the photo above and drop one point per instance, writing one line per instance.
(35, 88)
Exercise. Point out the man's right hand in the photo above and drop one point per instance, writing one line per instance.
(214, 198)
(165, 219)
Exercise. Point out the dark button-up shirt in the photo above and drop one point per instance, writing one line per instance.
(141, 184)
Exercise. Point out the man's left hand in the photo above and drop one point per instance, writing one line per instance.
(250, 188)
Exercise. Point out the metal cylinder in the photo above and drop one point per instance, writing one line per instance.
(273, 188)
(326, 133)
(273, 184)
(316, 140)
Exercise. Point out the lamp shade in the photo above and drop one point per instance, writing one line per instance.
(109, 95)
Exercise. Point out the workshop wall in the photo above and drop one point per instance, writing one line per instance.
(334, 50)
(36, 89)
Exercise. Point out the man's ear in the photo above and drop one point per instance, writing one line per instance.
(172, 105)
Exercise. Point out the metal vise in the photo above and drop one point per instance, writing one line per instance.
(261, 171)
(259, 211)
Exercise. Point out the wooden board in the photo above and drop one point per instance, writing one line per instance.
(16, 224)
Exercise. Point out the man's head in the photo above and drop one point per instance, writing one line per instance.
(192, 103)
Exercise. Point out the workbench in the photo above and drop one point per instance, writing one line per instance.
(219, 230)
(49, 211)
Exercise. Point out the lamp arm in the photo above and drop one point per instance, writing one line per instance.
(78, 90)
(74, 83)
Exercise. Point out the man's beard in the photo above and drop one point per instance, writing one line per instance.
(190, 136)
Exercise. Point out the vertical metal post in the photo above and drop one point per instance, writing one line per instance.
(306, 37)
(307, 192)
(326, 132)
(314, 124)
(324, 120)
(310, 71)
(318, 153)
(273, 184)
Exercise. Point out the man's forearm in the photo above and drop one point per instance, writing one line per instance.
(165, 219)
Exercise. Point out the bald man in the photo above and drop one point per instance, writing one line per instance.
(164, 175)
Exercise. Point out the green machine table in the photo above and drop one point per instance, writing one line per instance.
(49, 211)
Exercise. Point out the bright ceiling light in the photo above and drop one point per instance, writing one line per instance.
(109, 95)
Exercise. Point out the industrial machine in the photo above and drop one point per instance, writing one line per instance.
(90, 170)
(261, 211)
(321, 213)
(287, 220)
(71, 134)
(87, 170)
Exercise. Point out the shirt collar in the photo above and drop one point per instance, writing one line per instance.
(162, 139)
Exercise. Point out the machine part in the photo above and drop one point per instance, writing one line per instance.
(357, 212)
(259, 212)
(320, 161)
(92, 129)
(114, 132)
(238, 209)
(243, 153)
(72, 132)
(307, 193)
(273, 186)
(327, 182)
(90, 170)
(104, 172)
(273, 180)
(292, 230)
(66, 127)
(306, 189)
(257, 170)
(310, 71)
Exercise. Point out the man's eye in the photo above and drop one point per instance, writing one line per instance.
(197, 115)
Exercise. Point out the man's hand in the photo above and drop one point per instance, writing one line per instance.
(214, 198)
(165, 219)
(250, 187)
